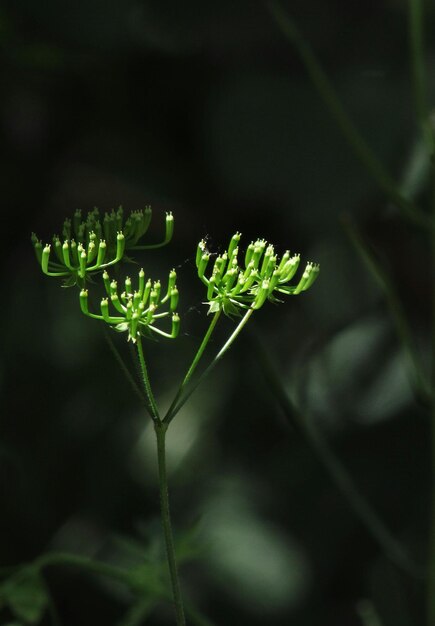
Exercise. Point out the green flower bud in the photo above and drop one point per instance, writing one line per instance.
(169, 227)
(84, 301)
(106, 281)
(58, 248)
(200, 251)
(233, 244)
(175, 325)
(38, 250)
(141, 282)
(261, 296)
(102, 247)
(147, 291)
(249, 253)
(202, 265)
(105, 310)
(174, 299)
(116, 303)
(45, 257)
(128, 287)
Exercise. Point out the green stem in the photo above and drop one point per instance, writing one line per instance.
(170, 415)
(124, 367)
(418, 70)
(195, 361)
(347, 127)
(160, 430)
(336, 470)
(417, 376)
(146, 381)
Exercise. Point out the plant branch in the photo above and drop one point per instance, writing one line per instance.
(358, 144)
(170, 415)
(195, 362)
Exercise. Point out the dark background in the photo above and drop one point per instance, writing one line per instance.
(204, 109)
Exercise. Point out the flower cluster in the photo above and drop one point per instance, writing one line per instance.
(95, 243)
(231, 286)
(137, 311)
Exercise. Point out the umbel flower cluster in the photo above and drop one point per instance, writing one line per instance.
(232, 286)
(137, 311)
(95, 242)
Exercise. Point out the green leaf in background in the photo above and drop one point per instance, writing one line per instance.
(26, 596)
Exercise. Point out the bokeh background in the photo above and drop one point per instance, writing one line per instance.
(204, 108)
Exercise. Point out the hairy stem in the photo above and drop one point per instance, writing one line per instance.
(356, 141)
(195, 362)
(160, 430)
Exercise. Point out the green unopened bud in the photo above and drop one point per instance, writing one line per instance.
(259, 247)
(141, 286)
(169, 227)
(92, 251)
(105, 309)
(129, 310)
(285, 257)
(157, 287)
(203, 265)
(274, 281)
(58, 248)
(38, 250)
(249, 252)
(136, 299)
(172, 280)
(290, 268)
(73, 253)
(116, 303)
(84, 301)
(106, 281)
(233, 244)
(45, 257)
(266, 259)
(102, 247)
(150, 313)
(82, 260)
(120, 246)
(154, 298)
(66, 255)
(175, 325)
(113, 288)
(133, 332)
(261, 296)
(147, 291)
(174, 299)
(200, 250)
(219, 267)
(210, 289)
(128, 287)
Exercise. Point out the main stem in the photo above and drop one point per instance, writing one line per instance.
(160, 430)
